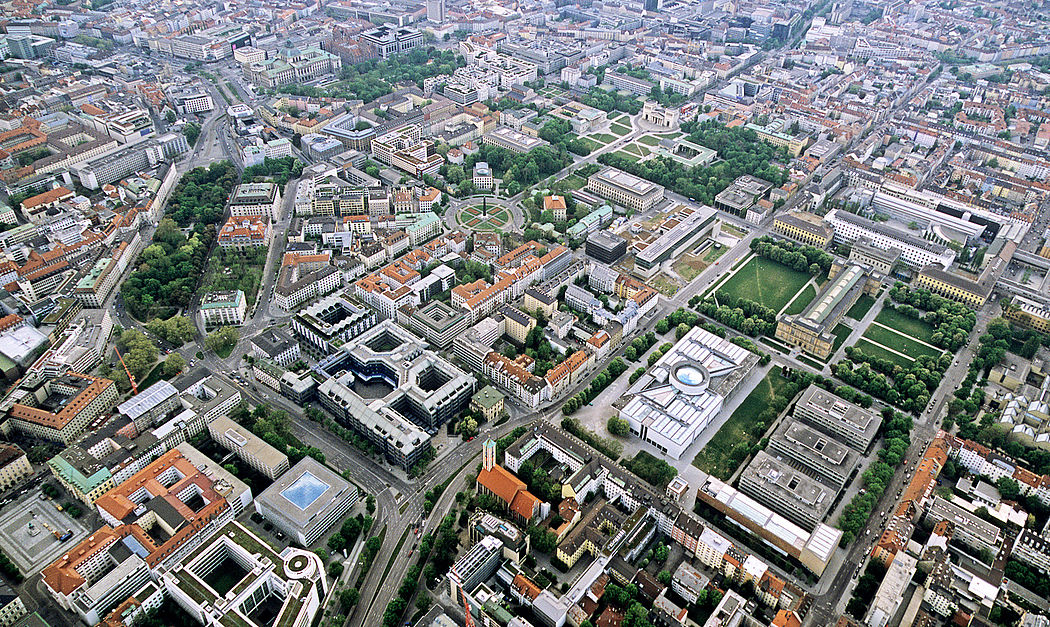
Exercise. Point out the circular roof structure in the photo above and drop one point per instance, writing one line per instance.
(690, 377)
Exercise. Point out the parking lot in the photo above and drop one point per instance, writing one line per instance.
(33, 548)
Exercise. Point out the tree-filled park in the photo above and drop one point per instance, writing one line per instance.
(375, 78)
(739, 150)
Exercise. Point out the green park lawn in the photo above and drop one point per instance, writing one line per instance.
(877, 351)
(798, 305)
(741, 431)
(765, 281)
(571, 182)
(649, 140)
(899, 342)
(604, 138)
(590, 143)
(861, 307)
(627, 155)
(619, 130)
(841, 333)
(918, 329)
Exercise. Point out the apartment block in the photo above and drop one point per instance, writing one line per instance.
(223, 308)
(248, 447)
(256, 199)
(60, 408)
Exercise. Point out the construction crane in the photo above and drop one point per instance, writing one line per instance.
(131, 378)
(466, 608)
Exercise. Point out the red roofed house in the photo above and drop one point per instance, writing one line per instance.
(46, 200)
(499, 482)
(245, 232)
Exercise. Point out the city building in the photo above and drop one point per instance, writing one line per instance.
(625, 189)
(834, 415)
(511, 492)
(256, 199)
(819, 455)
(236, 579)
(699, 222)
(245, 232)
(436, 321)
(605, 246)
(518, 325)
(675, 401)
(250, 448)
(223, 308)
(742, 198)
(11, 607)
(787, 491)
(512, 140)
(96, 575)
(813, 329)
(59, 408)
(915, 251)
(126, 159)
(172, 504)
(15, 466)
(391, 389)
(404, 148)
(304, 277)
(436, 11)
(151, 405)
(812, 549)
(276, 345)
(882, 261)
(803, 227)
(488, 401)
(955, 287)
(154, 519)
(306, 501)
(515, 542)
(891, 592)
(293, 65)
(476, 566)
(390, 40)
(332, 321)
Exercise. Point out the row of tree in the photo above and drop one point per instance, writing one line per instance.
(896, 440)
(351, 529)
(641, 344)
(273, 426)
(176, 330)
(655, 471)
(744, 315)
(615, 368)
